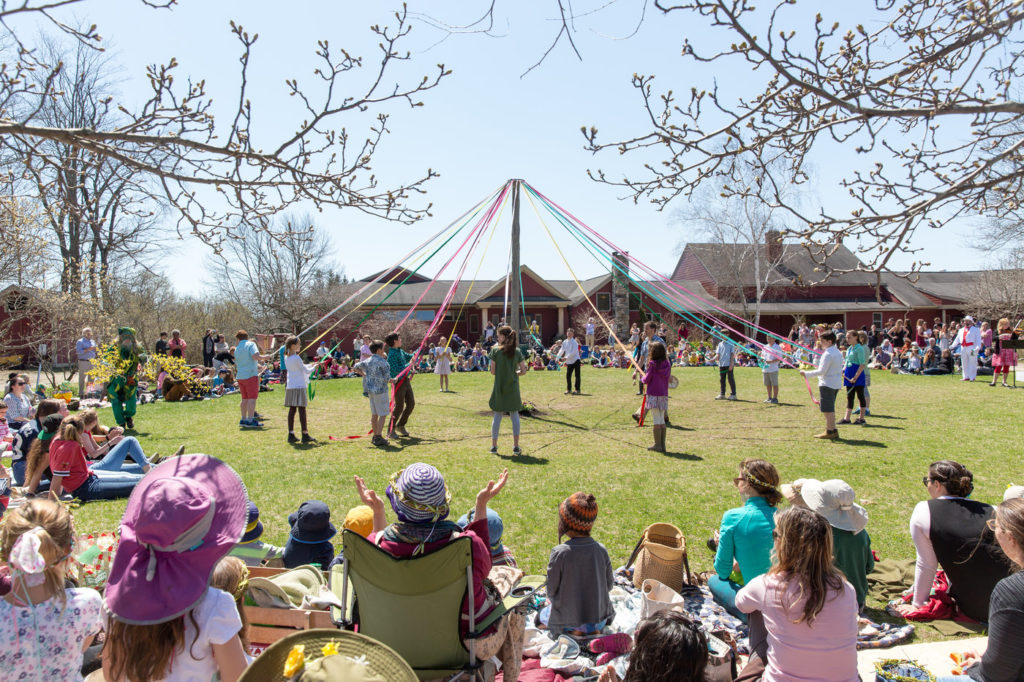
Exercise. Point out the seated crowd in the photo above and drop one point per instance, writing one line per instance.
(171, 608)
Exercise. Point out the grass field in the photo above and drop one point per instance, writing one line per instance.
(588, 442)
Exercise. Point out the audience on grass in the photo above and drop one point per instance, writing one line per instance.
(743, 544)
(952, 531)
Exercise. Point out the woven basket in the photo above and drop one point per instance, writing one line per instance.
(661, 555)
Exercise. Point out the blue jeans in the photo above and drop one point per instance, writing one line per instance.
(107, 485)
(114, 459)
(724, 592)
(18, 471)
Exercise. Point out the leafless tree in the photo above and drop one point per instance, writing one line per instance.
(283, 275)
(485, 23)
(999, 292)
(216, 175)
(24, 257)
(928, 97)
(747, 237)
(99, 210)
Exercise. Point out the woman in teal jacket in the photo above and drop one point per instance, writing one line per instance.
(855, 377)
(745, 539)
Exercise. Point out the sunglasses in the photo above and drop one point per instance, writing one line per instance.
(22, 383)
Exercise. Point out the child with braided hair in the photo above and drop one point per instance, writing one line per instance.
(579, 573)
(745, 541)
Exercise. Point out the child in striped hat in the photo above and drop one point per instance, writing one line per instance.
(579, 573)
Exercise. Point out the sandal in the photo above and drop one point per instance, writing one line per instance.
(860, 421)
(844, 421)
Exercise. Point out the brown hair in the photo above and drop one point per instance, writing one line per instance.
(509, 341)
(232, 575)
(803, 556)
(241, 335)
(656, 352)
(958, 479)
(139, 653)
(669, 648)
(55, 536)
(46, 408)
(763, 477)
(290, 341)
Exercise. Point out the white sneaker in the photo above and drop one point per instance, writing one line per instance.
(720, 396)
(732, 396)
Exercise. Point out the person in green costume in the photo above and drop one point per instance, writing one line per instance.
(508, 363)
(123, 386)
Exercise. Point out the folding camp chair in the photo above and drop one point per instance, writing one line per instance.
(414, 604)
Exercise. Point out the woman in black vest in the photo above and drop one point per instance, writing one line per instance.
(951, 531)
(1003, 658)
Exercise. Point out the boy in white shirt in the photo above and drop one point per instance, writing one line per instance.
(830, 380)
(771, 355)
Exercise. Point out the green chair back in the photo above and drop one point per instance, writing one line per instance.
(412, 604)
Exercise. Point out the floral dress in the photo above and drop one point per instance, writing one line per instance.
(44, 642)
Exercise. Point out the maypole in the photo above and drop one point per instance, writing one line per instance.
(515, 293)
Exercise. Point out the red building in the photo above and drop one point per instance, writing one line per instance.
(796, 289)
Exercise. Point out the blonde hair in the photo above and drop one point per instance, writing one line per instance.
(232, 575)
(1004, 323)
(53, 524)
(71, 428)
(803, 556)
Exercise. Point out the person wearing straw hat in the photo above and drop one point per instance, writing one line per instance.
(325, 655)
(851, 544)
(166, 622)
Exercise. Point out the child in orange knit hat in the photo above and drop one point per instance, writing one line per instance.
(579, 573)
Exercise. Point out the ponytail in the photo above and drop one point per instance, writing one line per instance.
(51, 523)
(508, 342)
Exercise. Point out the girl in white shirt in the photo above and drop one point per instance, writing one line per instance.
(297, 388)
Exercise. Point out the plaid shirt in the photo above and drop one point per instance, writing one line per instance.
(398, 360)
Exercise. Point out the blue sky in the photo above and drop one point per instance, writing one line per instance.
(482, 125)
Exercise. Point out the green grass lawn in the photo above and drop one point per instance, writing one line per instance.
(588, 442)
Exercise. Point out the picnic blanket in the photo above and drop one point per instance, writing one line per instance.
(891, 583)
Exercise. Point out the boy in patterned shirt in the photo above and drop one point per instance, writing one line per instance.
(376, 373)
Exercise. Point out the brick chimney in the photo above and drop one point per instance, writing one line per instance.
(773, 244)
(620, 294)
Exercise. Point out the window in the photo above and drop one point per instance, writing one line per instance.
(474, 324)
(495, 319)
(16, 302)
(876, 319)
(603, 301)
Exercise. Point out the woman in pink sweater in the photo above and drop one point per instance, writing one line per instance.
(810, 610)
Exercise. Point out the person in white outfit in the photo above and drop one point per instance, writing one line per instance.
(570, 350)
(968, 340)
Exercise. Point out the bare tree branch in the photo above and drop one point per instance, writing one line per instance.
(928, 99)
(213, 176)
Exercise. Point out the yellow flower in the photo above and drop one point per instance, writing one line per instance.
(330, 649)
(296, 660)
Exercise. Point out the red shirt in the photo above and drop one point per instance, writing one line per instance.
(67, 461)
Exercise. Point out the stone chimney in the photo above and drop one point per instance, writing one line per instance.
(773, 245)
(620, 294)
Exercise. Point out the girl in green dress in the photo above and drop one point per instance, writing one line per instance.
(507, 364)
